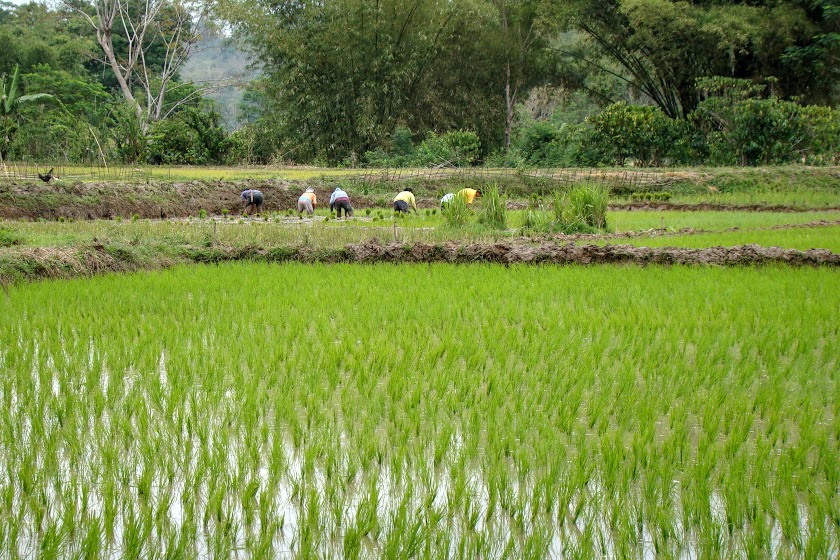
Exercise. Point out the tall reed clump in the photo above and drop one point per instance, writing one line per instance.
(493, 208)
(583, 209)
(456, 213)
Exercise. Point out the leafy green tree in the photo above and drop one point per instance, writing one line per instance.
(193, 136)
(343, 75)
(10, 105)
(743, 128)
(524, 43)
(663, 46)
(67, 134)
(816, 63)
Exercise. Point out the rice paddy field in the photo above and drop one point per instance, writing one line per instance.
(422, 411)
(282, 229)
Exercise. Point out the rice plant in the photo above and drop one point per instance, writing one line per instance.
(493, 211)
(500, 412)
(456, 212)
(583, 208)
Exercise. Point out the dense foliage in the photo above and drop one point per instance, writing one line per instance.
(431, 83)
(733, 125)
(90, 118)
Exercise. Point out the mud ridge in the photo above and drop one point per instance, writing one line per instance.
(564, 254)
(33, 264)
(155, 200)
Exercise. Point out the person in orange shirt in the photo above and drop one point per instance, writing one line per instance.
(469, 195)
(307, 202)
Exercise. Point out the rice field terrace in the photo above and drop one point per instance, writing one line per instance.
(422, 411)
(289, 405)
(283, 228)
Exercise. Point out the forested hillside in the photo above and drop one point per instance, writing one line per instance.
(224, 69)
(428, 82)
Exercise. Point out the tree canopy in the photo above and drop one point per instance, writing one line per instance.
(364, 82)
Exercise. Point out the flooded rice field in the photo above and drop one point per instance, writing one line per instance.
(428, 410)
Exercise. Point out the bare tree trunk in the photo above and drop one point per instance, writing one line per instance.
(140, 30)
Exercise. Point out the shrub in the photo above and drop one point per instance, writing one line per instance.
(581, 209)
(741, 128)
(397, 151)
(458, 148)
(9, 237)
(567, 145)
(642, 133)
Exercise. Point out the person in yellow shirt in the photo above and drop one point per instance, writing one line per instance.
(307, 202)
(404, 200)
(469, 195)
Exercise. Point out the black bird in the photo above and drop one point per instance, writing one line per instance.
(48, 177)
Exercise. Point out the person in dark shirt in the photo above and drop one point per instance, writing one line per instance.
(253, 200)
(341, 201)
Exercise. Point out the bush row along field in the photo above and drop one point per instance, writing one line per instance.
(281, 229)
(422, 411)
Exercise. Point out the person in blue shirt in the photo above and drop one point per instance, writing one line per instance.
(253, 200)
(339, 200)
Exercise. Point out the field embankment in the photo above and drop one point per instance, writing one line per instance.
(153, 199)
(153, 195)
(33, 264)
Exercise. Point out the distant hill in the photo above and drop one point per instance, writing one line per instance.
(216, 61)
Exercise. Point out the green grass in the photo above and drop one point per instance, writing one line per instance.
(796, 197)
(802, 239)
(281, 229)
(422, 411)
(641, 220)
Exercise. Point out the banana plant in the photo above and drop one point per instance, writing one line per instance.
(10, 103)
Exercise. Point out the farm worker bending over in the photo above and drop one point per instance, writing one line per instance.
(253, 200)
(405, 199)
(446, 198)
(340, 201)
(469, 195)
(307, 202)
